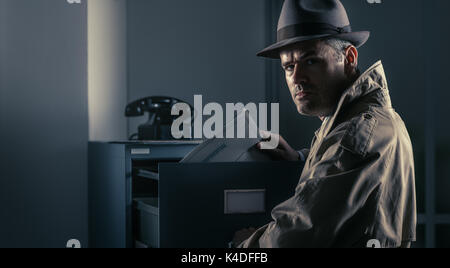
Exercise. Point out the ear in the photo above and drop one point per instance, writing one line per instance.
(351, 59)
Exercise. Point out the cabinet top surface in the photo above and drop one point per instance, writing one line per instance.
(167, 142)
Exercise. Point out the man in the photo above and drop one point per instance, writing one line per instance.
(358, 181)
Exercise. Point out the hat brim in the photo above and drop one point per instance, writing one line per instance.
(358, 39)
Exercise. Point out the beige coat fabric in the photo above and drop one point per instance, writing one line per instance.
(358, 181)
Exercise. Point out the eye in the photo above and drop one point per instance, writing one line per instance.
(310, 61)
(289, 68)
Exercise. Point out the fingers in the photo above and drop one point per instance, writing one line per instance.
(281, 150)
(282, 145)
(269, 141)
(276, 153)
(242, 235)
(265, 135)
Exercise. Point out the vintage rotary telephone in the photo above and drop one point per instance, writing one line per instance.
(158, 127)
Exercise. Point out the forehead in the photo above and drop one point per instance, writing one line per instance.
(304, 49)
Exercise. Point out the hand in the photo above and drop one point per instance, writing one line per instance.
(242, 235)
(283, 152)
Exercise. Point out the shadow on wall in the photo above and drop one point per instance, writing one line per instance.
(442, 177)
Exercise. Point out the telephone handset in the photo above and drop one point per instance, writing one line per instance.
(158, 127)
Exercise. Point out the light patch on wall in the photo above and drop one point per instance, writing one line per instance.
(107, 69)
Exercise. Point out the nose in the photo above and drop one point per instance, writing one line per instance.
(299, 77)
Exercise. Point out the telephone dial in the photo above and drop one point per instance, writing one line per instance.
(158, 127)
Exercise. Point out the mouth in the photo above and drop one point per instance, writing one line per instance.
(302, 95)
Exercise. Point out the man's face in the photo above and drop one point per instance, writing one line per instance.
(315, 77)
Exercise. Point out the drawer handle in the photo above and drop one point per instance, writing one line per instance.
(140, 151)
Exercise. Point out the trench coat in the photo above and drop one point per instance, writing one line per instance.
(358, 182)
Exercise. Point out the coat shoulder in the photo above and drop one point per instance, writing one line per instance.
(366, 129)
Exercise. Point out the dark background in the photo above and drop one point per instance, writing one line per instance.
(67, 72)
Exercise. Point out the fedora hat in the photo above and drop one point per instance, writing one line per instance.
(303, 20)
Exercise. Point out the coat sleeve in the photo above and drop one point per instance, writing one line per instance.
(303, 154)
(333, 206)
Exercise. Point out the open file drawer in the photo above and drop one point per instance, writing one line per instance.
(147, 221)
(198, 205)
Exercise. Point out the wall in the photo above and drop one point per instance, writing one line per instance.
(107, 65)
(44, 123)
(437, 58)
(181, 48)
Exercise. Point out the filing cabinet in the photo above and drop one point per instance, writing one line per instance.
(140, 195)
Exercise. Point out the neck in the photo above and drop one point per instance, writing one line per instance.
(352, 79)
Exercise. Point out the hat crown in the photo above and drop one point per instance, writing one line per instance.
(313, 11)
(304, 20)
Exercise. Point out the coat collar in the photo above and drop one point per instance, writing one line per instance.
(370, 81)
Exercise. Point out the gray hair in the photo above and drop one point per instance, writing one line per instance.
(339, 46)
